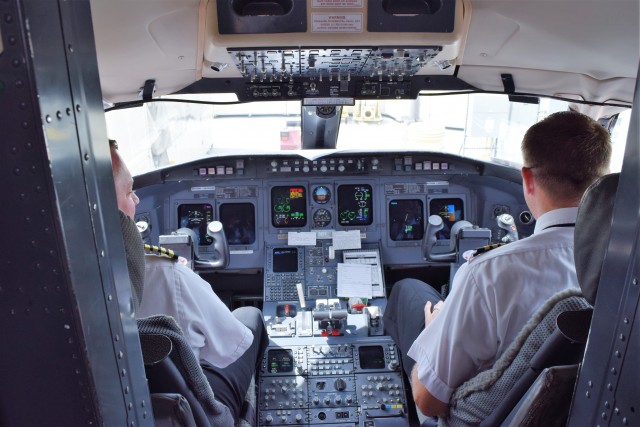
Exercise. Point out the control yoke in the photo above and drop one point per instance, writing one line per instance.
(219, 245)
(144, 229)
(506, 222)
(221, 258)
(430, 250)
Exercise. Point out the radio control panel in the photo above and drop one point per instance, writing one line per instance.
(344, 384)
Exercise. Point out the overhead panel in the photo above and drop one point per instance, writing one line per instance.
(330, 76)
(330, 52)
(380, 64)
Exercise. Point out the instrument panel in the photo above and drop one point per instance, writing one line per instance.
(261, 200)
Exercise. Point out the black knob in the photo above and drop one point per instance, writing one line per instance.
(340, 384)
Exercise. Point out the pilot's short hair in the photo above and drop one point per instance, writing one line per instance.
(116, 162)
(567, 151)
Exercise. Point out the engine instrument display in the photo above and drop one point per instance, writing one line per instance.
(239, 221)
(196, 217)
(406, 220)
(355, 204)
(288, 206)
(451, 210)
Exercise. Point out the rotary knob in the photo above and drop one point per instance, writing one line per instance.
(298, 418)
(268, 419)
(340, 384)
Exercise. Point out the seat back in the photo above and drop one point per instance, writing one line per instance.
(134, 251)
(593, 227)
(180, 392)
(173, 368)
(487, 398)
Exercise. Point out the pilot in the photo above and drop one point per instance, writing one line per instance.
(494, 294)
(228, 344)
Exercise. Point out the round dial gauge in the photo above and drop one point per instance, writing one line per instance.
(321, 194)
(321, 218)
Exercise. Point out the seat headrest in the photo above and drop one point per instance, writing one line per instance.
(134, 251)
(593, 226)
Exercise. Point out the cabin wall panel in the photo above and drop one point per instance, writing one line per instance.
(70, 352)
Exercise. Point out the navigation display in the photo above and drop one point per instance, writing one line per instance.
(280, 360)
(239, 221)
(355, 204)
(406, 220)
(451, 210)
(288, 207)
(196, 217)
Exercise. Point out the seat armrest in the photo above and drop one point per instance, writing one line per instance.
(548, 400)
(171, 410)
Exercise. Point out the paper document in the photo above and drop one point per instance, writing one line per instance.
(368, 257)
(346, 240)
(303, 238)
(354, 280)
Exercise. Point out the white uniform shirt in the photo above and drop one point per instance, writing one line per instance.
(214, 334)
(492, 298)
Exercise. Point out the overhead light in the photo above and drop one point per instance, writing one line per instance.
(218, 66)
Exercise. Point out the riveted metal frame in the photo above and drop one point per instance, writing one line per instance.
(607, 389)
(70, 351)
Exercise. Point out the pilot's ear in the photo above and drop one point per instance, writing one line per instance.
(528, 183)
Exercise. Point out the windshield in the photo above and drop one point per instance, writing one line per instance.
(480, 126)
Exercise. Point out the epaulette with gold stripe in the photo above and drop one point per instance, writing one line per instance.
(471, 254)
(159, 250)
(488, 248)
